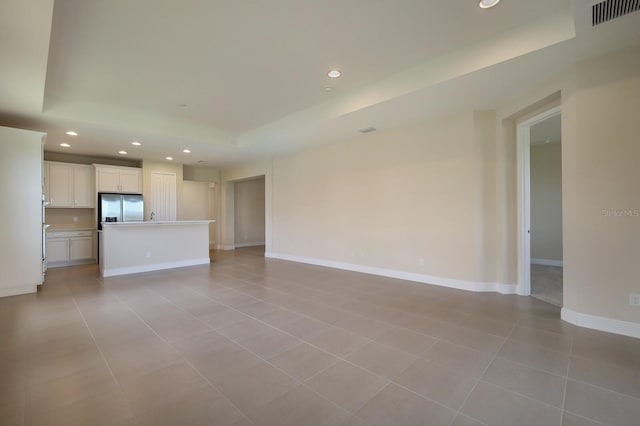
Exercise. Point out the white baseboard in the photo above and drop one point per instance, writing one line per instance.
(153, 267)
(15, 291)
(610, 325)
(409, 276)
(546, 262)
(249, 244)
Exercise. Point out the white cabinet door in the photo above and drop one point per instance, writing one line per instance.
(130, 181)
(81, 248)
(83, 186)
(108, 179)
(57, 250)
(119, 179)
(60, 185)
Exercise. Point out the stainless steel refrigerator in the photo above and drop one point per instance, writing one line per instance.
(119, 208)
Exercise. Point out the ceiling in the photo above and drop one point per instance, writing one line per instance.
(235, 81)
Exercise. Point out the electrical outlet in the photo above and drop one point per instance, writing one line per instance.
(148, 254)
(634, 299)
(421, 262)
(75, 218)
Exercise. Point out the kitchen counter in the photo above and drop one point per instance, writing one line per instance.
(158, 222)
(133, 247)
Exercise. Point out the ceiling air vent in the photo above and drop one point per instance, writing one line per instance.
(367, 130)
(611, 9)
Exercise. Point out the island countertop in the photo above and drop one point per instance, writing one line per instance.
(158, 222)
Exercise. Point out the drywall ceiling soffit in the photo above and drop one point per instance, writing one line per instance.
(264, 61)
(252, 77)
(25, 28)
(483, 54)
(130, 64)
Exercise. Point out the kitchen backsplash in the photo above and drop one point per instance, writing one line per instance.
(71, 217)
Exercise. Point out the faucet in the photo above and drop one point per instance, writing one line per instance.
(153, 216)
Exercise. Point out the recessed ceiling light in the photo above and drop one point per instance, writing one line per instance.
(169, 158)
(65, 145)
(186, 151)
(136, 143)
(122, 152)
(486, 4)
(72, 133)
(334, 74)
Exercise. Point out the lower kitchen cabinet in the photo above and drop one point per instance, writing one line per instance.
(65, 248)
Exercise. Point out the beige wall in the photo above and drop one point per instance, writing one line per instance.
(65, 217)
(601, 171)
(249, 212)
(546, 201)
(409, 199)
(199, 203)
(20, 210)
(445, 191)
(149, 167)
(200, 174)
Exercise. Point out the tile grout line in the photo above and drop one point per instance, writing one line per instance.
(494, 356)
(586, 418)
(459, 411)
(26, 381)
(330, 306)
(298, 382)
(340, 358)
(186, 361)
(104, 359)
(566, 383)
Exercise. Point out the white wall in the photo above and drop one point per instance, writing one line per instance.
(546, 202)
(20, 210)
(249, 212)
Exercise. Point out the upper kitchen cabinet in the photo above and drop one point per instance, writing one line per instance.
(118, 179)
(68, 185)
(83, 192)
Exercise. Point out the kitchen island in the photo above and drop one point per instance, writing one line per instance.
(132, 247)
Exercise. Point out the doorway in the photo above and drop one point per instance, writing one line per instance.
(249, 213)
(540, 260)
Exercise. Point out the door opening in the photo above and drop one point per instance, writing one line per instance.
(249, 214)
(540, 206)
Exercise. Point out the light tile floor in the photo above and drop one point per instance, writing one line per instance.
(252, 341)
